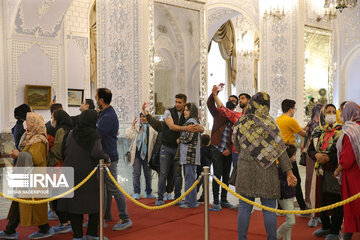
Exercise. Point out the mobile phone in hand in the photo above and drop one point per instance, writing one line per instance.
(220, 87)
(54, 98)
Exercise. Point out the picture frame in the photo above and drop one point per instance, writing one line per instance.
(38, 96)
(75, 97)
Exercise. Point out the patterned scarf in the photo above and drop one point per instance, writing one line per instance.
(351, 114)
(258, 133)
(141, 141)
(328, 134)
(35, 130)
(312, 124)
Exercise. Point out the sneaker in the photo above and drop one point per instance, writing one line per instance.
(235, 207)
(52, 215)
(185, 205)
(159, 202)
(334, 237)
(216, 207)
(150, 196)
(4, 235)
(165, 196)
(122, 225)
(89, 237)
(313, 222)
(321, 232)
(39, 235)
(105, 224)
(59, 229)
(136, 196)
(179, 203)
(170, 196)
(225, 204)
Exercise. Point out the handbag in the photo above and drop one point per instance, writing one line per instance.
(330, 183)
(302, 161)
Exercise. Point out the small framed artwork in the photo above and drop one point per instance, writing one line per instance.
(38, 97)
(75, 97)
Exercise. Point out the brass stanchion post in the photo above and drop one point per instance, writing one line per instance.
(101, 214)
(206, 174)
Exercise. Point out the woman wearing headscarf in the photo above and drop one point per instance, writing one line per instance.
(62, 123)
(312, 124)
(143, 138)
(82, 152)
(348, 147)
(34, 148)
(190, 154)
(257, 139)
(323, 151)
(20, 116)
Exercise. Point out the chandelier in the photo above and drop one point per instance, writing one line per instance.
(340, 4)
(322, 10)
(276, 8)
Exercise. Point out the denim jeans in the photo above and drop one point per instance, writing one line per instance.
(244, 218)
(285, 229)
(190, 177)
(234, 158)
(138, 163)
(167, 155)
(112, 190)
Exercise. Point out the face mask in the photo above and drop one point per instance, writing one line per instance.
(330, 119)
(25, 125)
(52, 124)
(230, 105)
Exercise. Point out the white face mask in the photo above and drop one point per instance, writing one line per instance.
(25, 125)
(330, 119)
(52, 124)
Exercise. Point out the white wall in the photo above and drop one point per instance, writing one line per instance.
(352, 76)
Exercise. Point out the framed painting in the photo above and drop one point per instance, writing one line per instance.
(37, 96)
(75, 97)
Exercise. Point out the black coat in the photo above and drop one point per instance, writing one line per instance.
(86, 198)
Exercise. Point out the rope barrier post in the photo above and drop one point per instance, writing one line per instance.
(206, 174)
(101, 214)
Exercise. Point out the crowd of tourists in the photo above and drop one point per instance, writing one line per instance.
(250, 142)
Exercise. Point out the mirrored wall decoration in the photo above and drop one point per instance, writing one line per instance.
(319, 73)
(178, 54)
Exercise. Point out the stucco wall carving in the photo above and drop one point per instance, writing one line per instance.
(119, 67)
(278, 45)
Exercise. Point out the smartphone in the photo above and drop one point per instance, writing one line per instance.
(54, 98)
(220, 87)
(147, 104)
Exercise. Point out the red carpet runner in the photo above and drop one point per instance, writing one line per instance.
(175, 223)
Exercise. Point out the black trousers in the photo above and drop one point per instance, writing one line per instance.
(222, 167)
(14, 220)
(63, 216)
(334, 221)
(299, 192)
(77, 222)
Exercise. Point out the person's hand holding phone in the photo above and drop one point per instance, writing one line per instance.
(220, 87)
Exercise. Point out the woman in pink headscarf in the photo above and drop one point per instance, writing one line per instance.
(348, 147)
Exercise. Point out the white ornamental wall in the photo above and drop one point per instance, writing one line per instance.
(278, 56)
(77, 49)
(45, 43)
(32, 51)
(119, 66)
(348, 45)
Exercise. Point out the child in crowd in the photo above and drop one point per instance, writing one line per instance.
(287, 198)
(204, 160)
